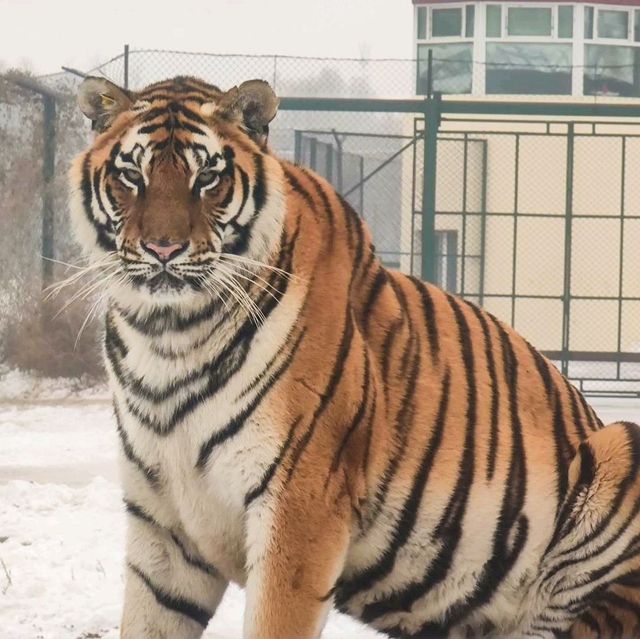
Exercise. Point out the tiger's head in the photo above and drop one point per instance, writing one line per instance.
(177, 184)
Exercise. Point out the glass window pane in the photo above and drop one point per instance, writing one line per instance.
(452, 67)
(528, 68)
(612, 70)
(565, 21)
(470, 14)
(528, 21)
(446, 23)
(494, 21)
(613, 24)
(588, 23)
(421, 19)
(636, 26)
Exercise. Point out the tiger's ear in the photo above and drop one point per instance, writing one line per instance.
(253, 104)
(102, 101)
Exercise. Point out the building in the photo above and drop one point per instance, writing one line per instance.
(537, 217)
(530, 47)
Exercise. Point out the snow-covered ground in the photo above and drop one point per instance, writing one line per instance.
(62, 528)
(62, 524)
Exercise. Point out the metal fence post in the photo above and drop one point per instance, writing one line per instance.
(483, 223)
(48, 168)
(297, 146)
(432, 113)
(48, 172)
(126, 66)
(568, 228)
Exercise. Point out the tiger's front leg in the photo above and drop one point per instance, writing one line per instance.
(297, 543)
(170, 593)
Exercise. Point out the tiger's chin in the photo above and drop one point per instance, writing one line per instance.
(160, 290)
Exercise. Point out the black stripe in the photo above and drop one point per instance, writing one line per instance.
(565, 452)
(404, 414)
(512, 527)
(259, 185)
(575, 412)
(566, 517)
(354, 219)
(137, 511)
(258, 490)
(151, 474)
(449, 528)
(160, 320)
(375, 289)
(150, 128)
(323, 197)
(542, 366)
(196, 562)
(176, 604)
(429, 314)
(406, 523)
(357, 417)
(234, 426)
(401, 423)
(494, 434)
(328, 393)
(298, 188)
(104, 238)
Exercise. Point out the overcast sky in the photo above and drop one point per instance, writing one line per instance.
(45, 34)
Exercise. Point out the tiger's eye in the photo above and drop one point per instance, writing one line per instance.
(132, 175)
(208, 177)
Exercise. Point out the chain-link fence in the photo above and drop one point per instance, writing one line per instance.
(41, 130)
(529, 209)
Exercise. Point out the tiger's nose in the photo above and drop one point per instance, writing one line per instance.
(164, 250)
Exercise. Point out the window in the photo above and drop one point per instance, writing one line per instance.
(529, 21)
(470, 15)
(636, 27)
(612, 70)
(421, 20)
(588, 23)
(447, 260)
(452, 67)
(446, 23)
(494, 21)
(613, 24)
(528, 68)
(565, 21)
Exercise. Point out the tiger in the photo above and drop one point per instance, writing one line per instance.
(325, 432)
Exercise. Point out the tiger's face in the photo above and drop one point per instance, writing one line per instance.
(177, 190)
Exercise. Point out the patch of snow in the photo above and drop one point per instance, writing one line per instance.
(62, 544)
(19, 385)
(61, 566)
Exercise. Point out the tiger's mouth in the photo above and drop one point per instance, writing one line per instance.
(162, 282)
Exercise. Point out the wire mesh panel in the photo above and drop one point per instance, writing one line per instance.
(550, 249)
(368, 170)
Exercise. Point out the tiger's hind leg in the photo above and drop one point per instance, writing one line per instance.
(592, 566)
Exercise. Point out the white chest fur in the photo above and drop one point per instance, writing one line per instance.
(204, 501)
